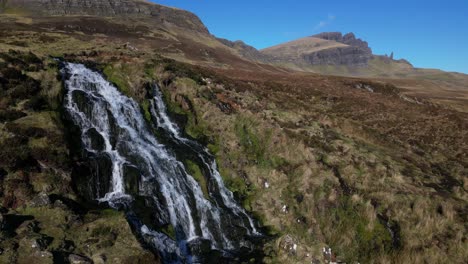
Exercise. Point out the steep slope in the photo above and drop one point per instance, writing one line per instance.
(360, 166)
(131, 24)
(108, 8)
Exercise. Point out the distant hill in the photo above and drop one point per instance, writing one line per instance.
(181, 35)
(324, 49)
(326, 53)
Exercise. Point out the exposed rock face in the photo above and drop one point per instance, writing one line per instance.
(348, 39)
(350, 56)
(110, 8)
(329, 48)
(357, 53)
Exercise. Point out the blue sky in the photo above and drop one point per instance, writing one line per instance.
(430, 34)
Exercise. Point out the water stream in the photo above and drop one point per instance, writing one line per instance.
(134, 171)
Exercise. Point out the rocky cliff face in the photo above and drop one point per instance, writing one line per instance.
(110, 8)
(348, 39)
(350, 56)
(358, 52)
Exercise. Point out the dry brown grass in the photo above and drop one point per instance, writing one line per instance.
(335, 156)
(319, 124)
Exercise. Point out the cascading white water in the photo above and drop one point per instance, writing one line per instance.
(159, 111)
(112, 126)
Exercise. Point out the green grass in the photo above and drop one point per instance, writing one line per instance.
(145, 105)
(118, 77)
(255, 144)
(169, 230)
(197, 174)
(347, 219)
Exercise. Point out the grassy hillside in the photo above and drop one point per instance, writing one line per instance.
(351, 164)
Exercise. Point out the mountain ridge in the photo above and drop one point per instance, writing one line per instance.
(110, 8)
(328, 48)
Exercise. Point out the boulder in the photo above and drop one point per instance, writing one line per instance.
(40, 200)
(36, 242)
(77, 259)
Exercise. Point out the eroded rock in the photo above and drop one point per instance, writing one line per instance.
(77, 259)
(40, 200)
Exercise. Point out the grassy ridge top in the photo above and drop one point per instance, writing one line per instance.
(302, 46)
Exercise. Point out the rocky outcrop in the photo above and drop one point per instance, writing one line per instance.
(329, 48)
(110, 8)
(350, 56)
(357, 53)
(348, 39)
(245, 50)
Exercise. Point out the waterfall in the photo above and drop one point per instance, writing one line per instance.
(137, 172)
(159, 111)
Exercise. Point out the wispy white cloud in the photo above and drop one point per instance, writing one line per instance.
(325, 22)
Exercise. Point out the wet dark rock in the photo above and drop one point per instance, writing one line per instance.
(82, 100)
(40, 200)
(132, 177)
(201, 248)
(77, 259)
(97, 141)
(92, 178)
(152, 214)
